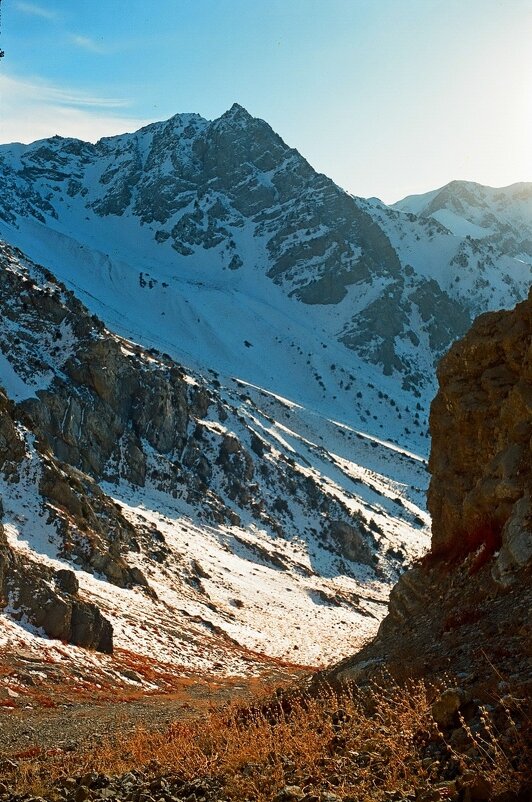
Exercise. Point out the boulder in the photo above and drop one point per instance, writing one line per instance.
(49, 601)
(446, 707)
(90, 628)
(67, 581)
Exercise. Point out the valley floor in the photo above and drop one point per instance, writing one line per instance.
(67, 724)
(62, 698)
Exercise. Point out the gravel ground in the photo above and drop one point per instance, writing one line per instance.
(69, 725)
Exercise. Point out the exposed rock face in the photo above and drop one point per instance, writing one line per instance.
(101, 403)
(352, 542)
(5, 563)
(28, 586)
(481, 423)
(56, 612)
(67, 581)
(465, 609)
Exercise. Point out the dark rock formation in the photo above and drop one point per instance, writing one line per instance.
(6, 559)
(481, 424)
(57, 613)
(465, 609)
(47, 600)
(66, 581)
(352, 543)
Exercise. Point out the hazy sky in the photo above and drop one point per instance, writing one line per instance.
(388, 97)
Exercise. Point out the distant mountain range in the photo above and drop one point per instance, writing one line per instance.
(228, 204)
(244, 435)
(500, 217)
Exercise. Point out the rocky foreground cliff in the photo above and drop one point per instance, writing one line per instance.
(464, 610)
(481, 461)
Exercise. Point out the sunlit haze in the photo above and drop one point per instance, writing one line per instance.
(387, 97)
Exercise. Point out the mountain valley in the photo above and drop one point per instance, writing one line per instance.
(216, 368)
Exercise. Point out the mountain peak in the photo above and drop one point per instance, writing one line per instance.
(238, 110)
(237, 114)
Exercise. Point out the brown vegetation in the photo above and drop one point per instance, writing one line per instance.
(383, 743)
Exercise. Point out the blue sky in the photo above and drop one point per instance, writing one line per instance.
(388, 97)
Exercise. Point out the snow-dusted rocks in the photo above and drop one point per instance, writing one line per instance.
(220, 226)
(202, 519)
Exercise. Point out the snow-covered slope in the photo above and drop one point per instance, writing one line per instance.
(502, 217)
(257, 405)
(207, 522)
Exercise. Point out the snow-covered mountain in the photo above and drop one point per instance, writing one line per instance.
(500, 217)
(208, 523)
(240, 446)
(199, 236)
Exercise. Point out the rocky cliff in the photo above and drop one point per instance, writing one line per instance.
(464, 609)
(30, 589)
(481, 425)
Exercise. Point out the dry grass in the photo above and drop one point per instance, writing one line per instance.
(362, 747)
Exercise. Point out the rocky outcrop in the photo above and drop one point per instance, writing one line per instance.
(464, 609)
(481, 458)
(100, 404)
(353, 542)
(56, 611)
(12, 448)
(45, 598)
(91, 527)
(5, 563)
